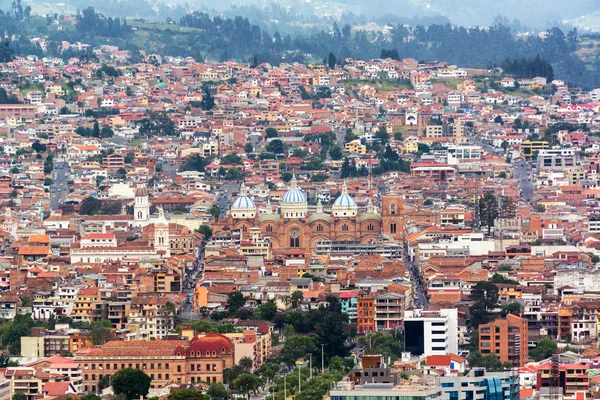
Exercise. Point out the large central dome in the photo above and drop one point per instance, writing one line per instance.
(293, 195)
(344, 206)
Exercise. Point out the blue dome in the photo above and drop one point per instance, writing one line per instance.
(345, 200)
(294, 196)
(244, 202)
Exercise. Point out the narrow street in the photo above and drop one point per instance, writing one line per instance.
(60, 187)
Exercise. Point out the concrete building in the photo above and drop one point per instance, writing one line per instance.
(429, 333)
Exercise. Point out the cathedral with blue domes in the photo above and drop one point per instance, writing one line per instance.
(295, 225)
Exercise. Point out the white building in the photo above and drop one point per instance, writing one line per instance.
(431, 333)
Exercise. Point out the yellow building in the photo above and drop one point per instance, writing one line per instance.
(355, 147)
(410, 145)
(528, 148)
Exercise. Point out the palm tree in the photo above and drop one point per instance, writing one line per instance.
(296, 298)
(286, 299)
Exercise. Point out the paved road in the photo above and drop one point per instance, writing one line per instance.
(59, 188)
(415, 277)
(170, 170)
(225, 196)
(524, 174)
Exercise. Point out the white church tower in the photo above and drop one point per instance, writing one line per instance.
(161, 235)
(141, 208)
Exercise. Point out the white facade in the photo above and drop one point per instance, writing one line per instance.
(440, 330)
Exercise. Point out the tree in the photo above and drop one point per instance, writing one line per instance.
(485, 297)
(186, 394)
(335, 152)
(235, 301)
(269, 370)
(271, 133)
(101, 332)
(208, 101)
(510, 308)
(275, 146)
(215, 211)
(38, 147)
(96, 130)
(331, 60)
(331, 328)
(121, 172)
(544, 349)
(381, 343)
(296, 347)
(490, 362)
(206, 231)
(267, 311)
(488, 210)
(90, 205)
(246, 364)
(90, 396)
(19, 396)
(106, 132)
(104, 382)
(296, 298)
(132, 383)
(246, 383)
(217, 391)
(382, 135)
(248, 148)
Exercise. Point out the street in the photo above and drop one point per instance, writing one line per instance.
(521, 171)
(225, 196)
(59, 188)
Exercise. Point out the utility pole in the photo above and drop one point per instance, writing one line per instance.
(322, 358)
(311, 366)
(284, 388)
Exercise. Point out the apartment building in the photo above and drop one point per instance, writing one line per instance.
(573, 378)
(389, 311)
(506, 338)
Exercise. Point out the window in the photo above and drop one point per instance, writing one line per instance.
(269, 228)
(295, 238)
(393, 228)
(370, 227)
(393, 209)
(179, 368)
(345, 228)
(319, 228)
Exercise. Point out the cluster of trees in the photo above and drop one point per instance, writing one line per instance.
(91, 23)
(104, 133)
(92, 206)
(529, 68)
(195, 163)
(489, 209)
(4, 97)
(157, 124)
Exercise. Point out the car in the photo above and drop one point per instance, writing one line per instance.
(61, 184)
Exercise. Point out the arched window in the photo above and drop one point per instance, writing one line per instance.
(139, 214)
(345, 228)
(244, 229)
(295, 238)
(370, 227)
(269, 228)
(393, 209)
(319, 228)
(393, 228)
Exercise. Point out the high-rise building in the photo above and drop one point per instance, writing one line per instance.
(431, 333)
(505, 338)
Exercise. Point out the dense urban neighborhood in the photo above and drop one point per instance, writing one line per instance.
(378, 229)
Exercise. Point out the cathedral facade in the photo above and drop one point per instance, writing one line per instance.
(295, 227)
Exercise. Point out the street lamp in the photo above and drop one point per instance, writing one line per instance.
(299, 382)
